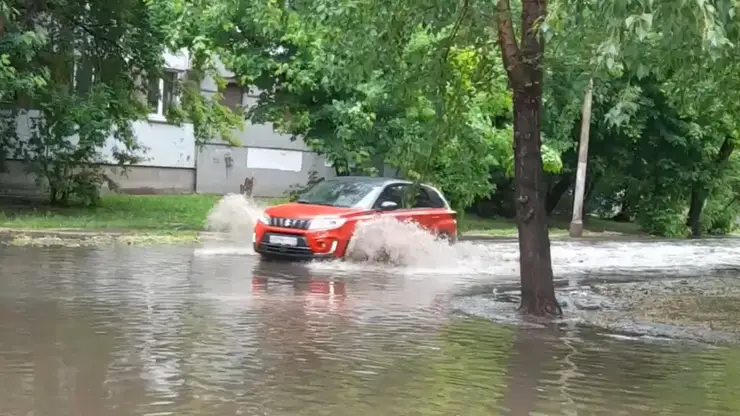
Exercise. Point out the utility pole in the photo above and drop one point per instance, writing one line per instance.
(576, 225)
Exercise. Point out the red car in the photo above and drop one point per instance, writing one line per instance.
(322, 221)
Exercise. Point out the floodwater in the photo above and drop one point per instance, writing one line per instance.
(213, 331)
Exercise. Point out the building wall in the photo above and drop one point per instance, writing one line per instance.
(274, 160)
(15, 182)
(221, 169)
(171, 163)
(168, 161)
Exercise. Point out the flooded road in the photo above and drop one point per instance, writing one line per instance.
(212, 331)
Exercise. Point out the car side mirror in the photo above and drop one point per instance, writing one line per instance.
(388, 206)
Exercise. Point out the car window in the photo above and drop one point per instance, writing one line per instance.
(434, 199)
(410, 196)
(336, 193)
(393, 193)
(423, 197)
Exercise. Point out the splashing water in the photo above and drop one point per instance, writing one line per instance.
(386, 240)
(234, 214)
(233, 218)
(408, 248)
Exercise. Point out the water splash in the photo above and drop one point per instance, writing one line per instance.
(234, 214)
(384, 242)
(412, 250)
(232, 222)
(389, 241)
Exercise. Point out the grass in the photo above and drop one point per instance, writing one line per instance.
(142, 213)
(164, 214)
(116, 212)
(500, 227)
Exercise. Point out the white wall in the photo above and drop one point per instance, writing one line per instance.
(165, 145)
(178, 60)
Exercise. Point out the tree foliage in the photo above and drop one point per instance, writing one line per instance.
(374, 86)
(73, 74)
(415, 89)
(662, 143)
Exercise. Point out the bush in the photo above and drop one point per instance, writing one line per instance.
(663, 216)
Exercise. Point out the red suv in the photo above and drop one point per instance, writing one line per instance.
(321, 222)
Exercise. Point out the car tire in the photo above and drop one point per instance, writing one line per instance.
(445, 236)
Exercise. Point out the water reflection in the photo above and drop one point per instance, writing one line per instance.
(138, 331)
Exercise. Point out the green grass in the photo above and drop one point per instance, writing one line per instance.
(116, 212)
(501, 227)
(187, 213)
(154, 213)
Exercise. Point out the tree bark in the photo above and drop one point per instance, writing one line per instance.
(590, 186)
(522, 64)
(538, 293)
(695, 208)
(558, 190)
(699, 191)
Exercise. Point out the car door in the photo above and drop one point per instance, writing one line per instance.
(395, 192)
(426, 208)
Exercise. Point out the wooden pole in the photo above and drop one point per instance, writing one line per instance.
(576, 225)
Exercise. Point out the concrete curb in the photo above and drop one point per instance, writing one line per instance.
(81, 237)
(60, 233)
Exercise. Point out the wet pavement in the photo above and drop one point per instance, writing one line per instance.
(212, 331)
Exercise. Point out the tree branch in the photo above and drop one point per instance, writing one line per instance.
(725, 151)
(532, 47)
(507, 42)
(455, 29)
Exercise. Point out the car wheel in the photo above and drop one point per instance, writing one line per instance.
(445, 236)
(349, 255)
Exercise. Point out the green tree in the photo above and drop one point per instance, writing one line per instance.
(75, 72)
(522, 60)
(430, 103)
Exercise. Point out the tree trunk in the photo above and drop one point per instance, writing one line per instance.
(695, 208)
(538, 293)
(557, 191)
(699, 191)
(590, 186)
(522, 64)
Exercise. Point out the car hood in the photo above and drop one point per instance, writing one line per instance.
(295, 210)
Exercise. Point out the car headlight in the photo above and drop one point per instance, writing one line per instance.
(326, 223)
(264, 219)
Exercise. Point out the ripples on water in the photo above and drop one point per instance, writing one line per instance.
(166, 331)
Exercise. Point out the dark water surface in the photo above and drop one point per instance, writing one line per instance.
(169, 331)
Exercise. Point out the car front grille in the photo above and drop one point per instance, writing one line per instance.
(299, 251)
(290, 223)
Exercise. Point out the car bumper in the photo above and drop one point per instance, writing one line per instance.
(307, 247)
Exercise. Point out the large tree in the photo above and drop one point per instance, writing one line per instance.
(645, 43)
(522, 60)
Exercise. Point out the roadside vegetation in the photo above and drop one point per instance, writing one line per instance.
(164, 213)
(186, 214)
(434, 91)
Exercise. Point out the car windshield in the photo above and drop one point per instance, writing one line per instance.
(336, 193)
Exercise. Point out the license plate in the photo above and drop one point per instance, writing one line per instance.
(283, 240)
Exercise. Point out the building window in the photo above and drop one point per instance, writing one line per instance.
(232, 97)
(162, 94)
(84, 75)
